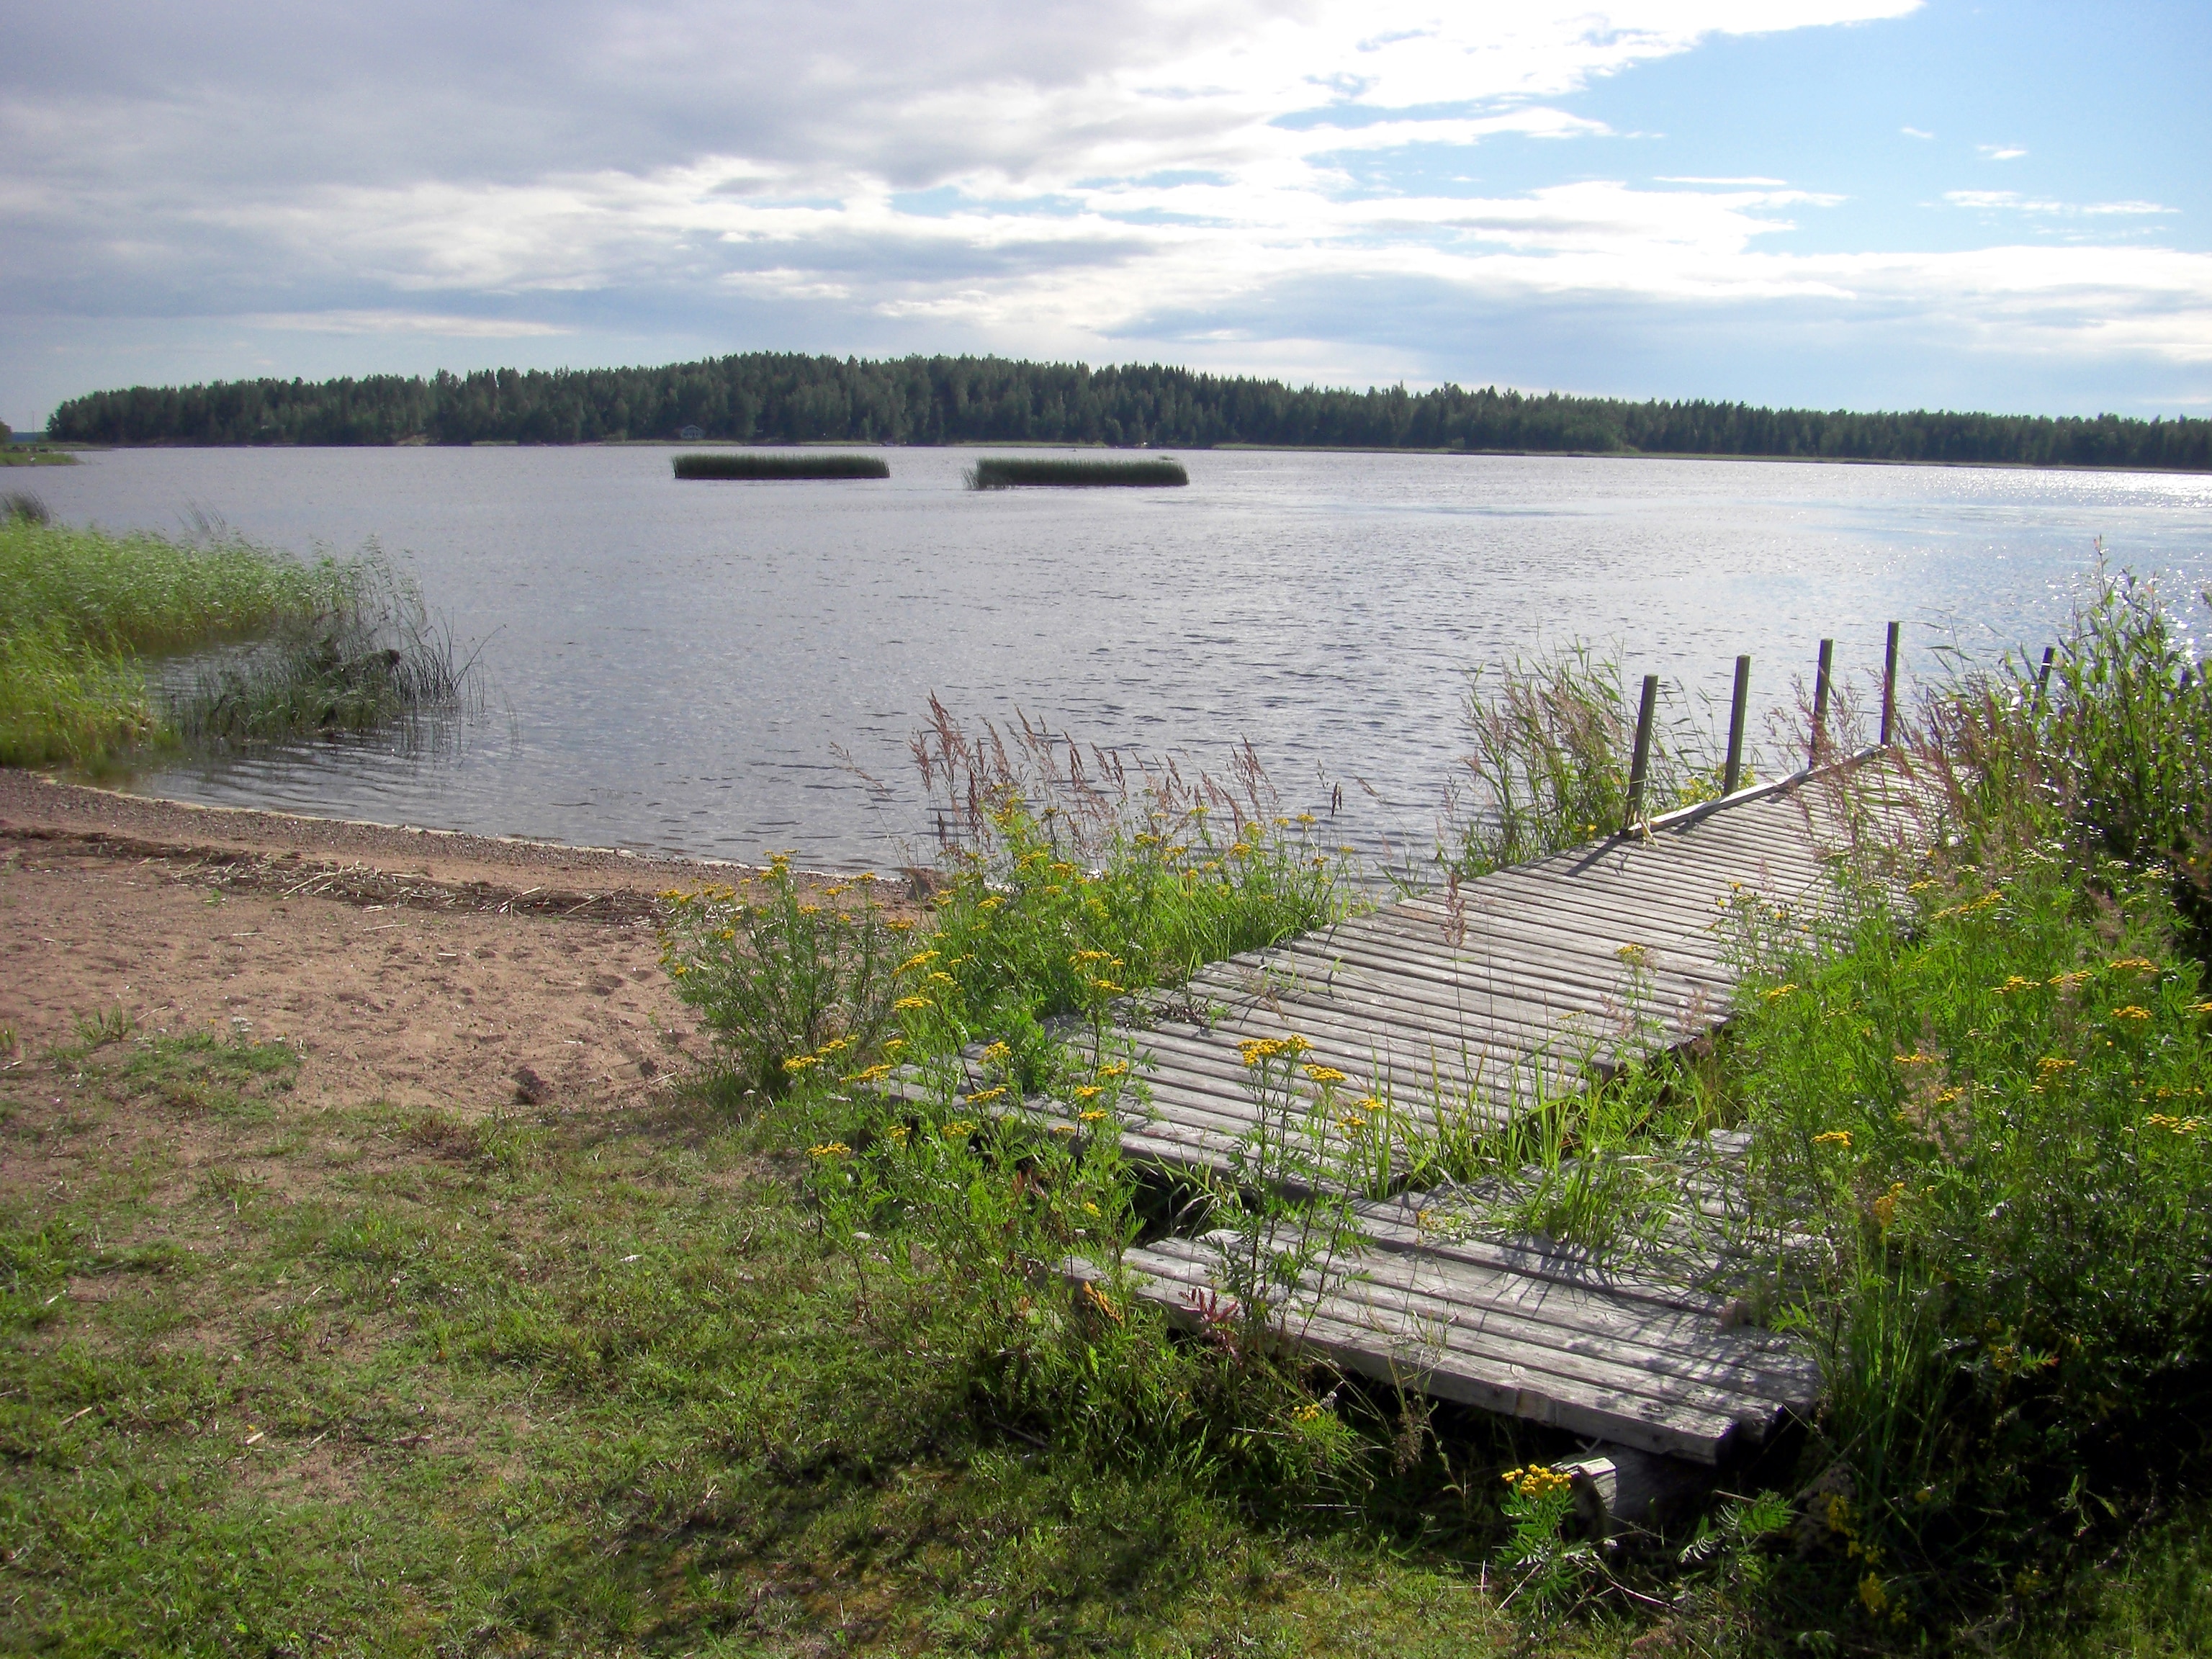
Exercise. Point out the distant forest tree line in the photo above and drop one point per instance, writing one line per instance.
(784, 398)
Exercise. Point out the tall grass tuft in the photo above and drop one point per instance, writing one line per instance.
(1553, 738)
(2109, 756)
(367, 657)
(335, 644)
(1072, 880)
(797, 464)
(1008, 473)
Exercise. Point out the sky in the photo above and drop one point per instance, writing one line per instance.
(1865, 204)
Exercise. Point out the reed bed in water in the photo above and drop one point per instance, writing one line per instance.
(337, 644)
(1000, 472)
(750, 464)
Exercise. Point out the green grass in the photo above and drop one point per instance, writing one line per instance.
(26, 455)
(801, 464)
(365, 1381)
(1008, 473)
(336, 644)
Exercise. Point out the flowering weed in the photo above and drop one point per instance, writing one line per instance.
(792, 979)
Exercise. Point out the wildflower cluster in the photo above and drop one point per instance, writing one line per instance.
(1257, 1051)
(793, 977)
(1537, 1481)
(1026, 930)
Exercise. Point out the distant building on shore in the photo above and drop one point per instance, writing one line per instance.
(691, 434)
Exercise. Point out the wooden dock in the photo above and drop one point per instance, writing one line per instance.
(1481, 1001)
(1484, 1001)
(1419, 1297)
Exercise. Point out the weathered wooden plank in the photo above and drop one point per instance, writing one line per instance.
(1446, 1008)
(1519, 999)
(1690, 1349)
(1393, 1224)
(1545, 960)
(1178, 1062)
(1786, 852)
(1397, 1025)
(1361, 1042)
(1617, 1340)
(1512, 1386)
(1508, 946)
(1607, 922)
(1648, 900)
(1526, 1380)
(1633, 900)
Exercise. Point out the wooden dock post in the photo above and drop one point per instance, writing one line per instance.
(1640, 763)
(1738, 707)
(1820, 742)
(2043, 675)
(1889, 684)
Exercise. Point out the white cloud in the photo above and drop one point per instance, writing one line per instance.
(2001, 152)
(2014, 202)
(402, 322)
(1915, 132)
(1230, 175)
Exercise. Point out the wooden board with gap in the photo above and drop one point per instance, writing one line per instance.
(1472, 1005)
(1522, 1328)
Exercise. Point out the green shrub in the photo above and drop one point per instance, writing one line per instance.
(787, 978)
(1996, 1128)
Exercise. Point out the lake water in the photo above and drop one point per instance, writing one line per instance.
(676, 665)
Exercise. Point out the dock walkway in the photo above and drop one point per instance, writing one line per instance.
(1481, 1001)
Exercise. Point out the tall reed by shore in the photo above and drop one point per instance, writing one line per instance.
(97, 624)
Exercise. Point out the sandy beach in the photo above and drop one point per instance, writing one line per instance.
(425, 967)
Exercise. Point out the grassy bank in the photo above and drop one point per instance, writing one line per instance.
(336, 645)
(1977, 1174)
(1008, 473)
(746, 464)
(788, 1363)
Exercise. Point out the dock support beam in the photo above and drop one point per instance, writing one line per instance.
(1738, 707)
(1889, 685)
(1640, 765)
(1820, 744)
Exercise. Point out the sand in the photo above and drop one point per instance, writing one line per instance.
(424, 968)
